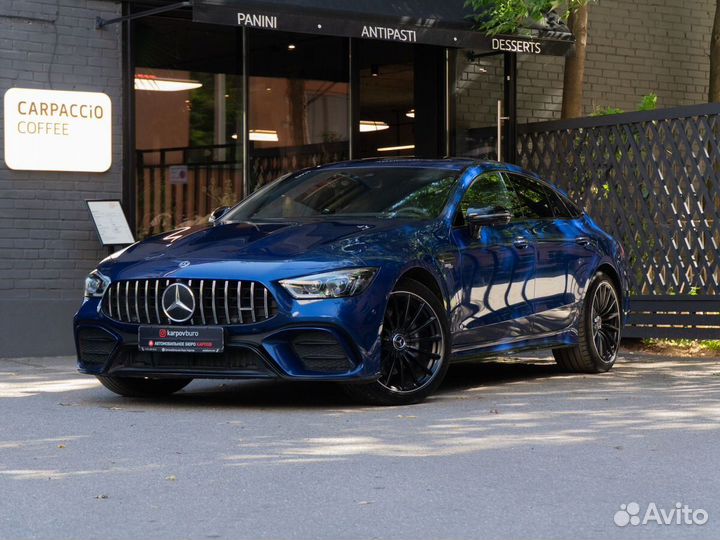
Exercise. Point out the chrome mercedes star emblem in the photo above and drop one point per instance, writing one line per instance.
(178, 302)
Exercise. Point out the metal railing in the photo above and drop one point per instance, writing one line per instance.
(181, 186)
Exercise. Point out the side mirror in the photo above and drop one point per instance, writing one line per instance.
(219, 212)
(488, 216)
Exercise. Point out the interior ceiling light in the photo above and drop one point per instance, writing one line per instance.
(410, 113)
(263, 135)
(372, 125)
(144, 81)
(396, 148)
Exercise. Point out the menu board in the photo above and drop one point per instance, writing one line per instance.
(110, 222)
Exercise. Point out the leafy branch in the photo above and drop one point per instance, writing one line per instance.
(508, 16)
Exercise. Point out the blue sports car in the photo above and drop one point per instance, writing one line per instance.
(374, 273)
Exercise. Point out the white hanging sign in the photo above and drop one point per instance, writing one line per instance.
(54, 130)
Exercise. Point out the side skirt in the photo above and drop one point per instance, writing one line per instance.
(565, 338)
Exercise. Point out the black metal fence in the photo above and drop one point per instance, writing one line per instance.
(652, 179)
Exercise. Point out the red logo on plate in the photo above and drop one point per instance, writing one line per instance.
(151, 344)
(163, 333)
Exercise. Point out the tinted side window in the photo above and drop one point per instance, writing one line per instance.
(573, 208)
(488, 191)
(557, 204)
(533, 199)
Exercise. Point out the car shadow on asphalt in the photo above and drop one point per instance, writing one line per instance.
(293, 394)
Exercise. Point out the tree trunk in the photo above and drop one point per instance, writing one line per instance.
(575, 65)
(714, 94)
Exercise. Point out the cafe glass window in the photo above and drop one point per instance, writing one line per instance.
(188, 113)
(298, 101)
(477, 88)
(386, 99)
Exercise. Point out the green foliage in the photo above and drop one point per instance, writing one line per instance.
(689, 345)
(202, 109)
(606, 111)
(508, 16)
(648, 102)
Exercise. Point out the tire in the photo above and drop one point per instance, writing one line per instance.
(598, 330)
(415, 349)
(140, 387)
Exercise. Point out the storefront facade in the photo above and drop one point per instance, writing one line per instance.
(230, 95)
(215, 99)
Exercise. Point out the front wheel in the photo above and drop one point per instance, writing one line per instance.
(415, 348)
(139, 387)
(598, 331)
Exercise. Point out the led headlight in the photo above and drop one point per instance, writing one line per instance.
(95, 284)
(335, 284)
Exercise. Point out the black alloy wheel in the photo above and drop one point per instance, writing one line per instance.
(599, 330)
(415, 348)
(412, 343)
(605, 319)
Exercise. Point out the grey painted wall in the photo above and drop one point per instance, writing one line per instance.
(47, 243)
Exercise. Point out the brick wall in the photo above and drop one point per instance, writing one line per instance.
(47, 242)
(634, 48)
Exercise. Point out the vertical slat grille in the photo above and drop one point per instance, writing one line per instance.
(137, 310)
(227, 308)
(156, 302)
(252, 300)
(147, 311)
(117, 300)
(265, 302)
(214, 311)
(237, 302)
(202, 302)
(217, 302)
(127, 301)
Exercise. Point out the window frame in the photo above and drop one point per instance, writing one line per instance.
(458, 208)
(546, 186)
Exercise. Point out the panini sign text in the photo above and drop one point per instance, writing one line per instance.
(257, 21)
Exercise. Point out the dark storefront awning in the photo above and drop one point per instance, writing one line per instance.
(444, 23)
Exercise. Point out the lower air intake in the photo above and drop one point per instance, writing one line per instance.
(321, 352)
(95, 345)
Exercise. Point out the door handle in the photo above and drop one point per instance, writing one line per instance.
(582, 240)
(520, 242)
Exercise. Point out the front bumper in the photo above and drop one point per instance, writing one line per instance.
(328, 340)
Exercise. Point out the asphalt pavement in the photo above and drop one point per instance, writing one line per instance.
(511, 449)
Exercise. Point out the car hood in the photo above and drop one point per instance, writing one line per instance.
(272, 248)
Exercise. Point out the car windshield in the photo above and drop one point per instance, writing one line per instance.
(385, 192)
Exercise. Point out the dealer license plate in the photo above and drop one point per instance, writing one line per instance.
(187, 339)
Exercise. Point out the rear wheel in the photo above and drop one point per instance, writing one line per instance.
(415, 348)
(139, 387)
(598, 332)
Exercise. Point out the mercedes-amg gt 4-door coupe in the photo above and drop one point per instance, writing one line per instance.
(376, 274)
